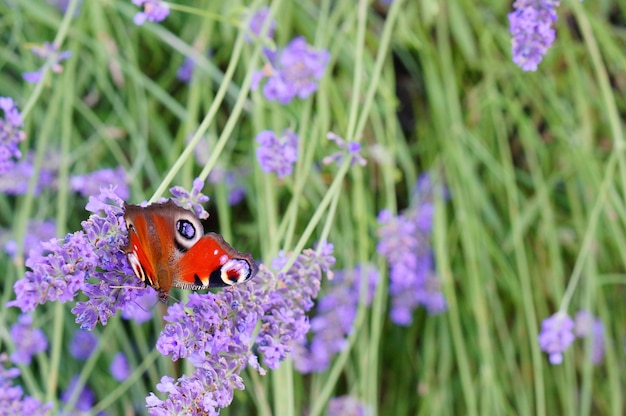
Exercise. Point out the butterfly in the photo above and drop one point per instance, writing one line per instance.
(167, 248)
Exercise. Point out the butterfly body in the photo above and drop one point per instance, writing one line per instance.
(167, 248)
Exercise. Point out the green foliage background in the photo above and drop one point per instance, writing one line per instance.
(534, 163)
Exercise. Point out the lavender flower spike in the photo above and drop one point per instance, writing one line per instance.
(556, 336)
(292, 72)
(11, 134)
(28, 340)
(153, 10)
(191, 200)
(12, 399)
(216, 332)
(277, 154)
(531, 28)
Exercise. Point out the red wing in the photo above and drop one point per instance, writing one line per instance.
(149, 249)
(212, 262)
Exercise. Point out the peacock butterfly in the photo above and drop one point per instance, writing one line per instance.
(167, 247)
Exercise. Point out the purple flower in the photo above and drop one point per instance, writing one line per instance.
(153, 10)
(86, 397)
(585, 325)
(15, 182)
(191, 200)
(50, 53)
(140, 310)
(185, 71)
(277, 154)
(556, 336)
(233, 181)
(532, 32)
(12, 398)
(216, 332)
(404, 240)
(57, 272)
(334, 318)
(83, 344)
(120, 370)
(350, 149)
(36, 232)
(28, 340)
(348, 406)
(90, 184)
(256, 21)
(11, 134)
(292, 72)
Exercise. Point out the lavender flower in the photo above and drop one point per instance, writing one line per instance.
(120, 370)
(585, 325)
(277, 154)
(28, 340)
(49, 52)
(153, 10)
(404, 240)
(350, 149)
(216, 333)
(191, 200)
(15, 182)
(64, 267)
(11, 134)
(347, 406)
(12, 398)
(334, 318)
(83, 344)
(90, 184)
(57, 272)
(556, 336)
(140, 310)
(292, 72)
(86, 397)
(531, 28)
(232, 180)
(36, 232)
(256, 21)
(185, 71)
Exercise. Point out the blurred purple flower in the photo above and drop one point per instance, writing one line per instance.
(140, 310)
(277, 154)
(185, 71)
(49, 52)
(120, 370)
(193, 200)
(86, 398)
(232, 180)
(90, 183)
(153, 10)
(292, 72)
(404, 240)
(348, 406)
(36, 232)
(351, 149)
(16, 181)
(532, 32)
(334, 318)
(28, 340)
(83, 344)
(11, 134)
(216, 332)
(256, 21)
(556, 336)
(585, 325)
(12, 398)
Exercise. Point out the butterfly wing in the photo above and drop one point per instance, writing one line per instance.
(212, 262)
(150, 249)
